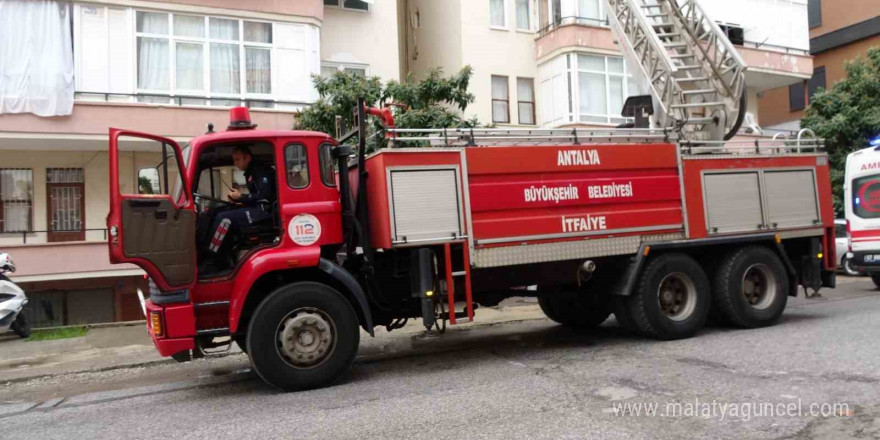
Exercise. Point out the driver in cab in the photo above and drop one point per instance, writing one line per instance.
(253, 207)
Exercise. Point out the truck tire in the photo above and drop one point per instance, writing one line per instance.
(303, 335)
(584, 311)
(671, 299)
(751, 287)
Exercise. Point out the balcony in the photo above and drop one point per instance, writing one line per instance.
(65, 260)
(572, 33)
(94, 117)
(769, 65)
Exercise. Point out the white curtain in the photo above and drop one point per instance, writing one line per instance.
(189, 67)
(588, 9)
(592, 90)
(522, 14)
(258, 70)
(153, 63)
(496, 12)
(16, 193)
(36, 58)
(257, 32)
(222, 29)
(225, 76)
(189, 26)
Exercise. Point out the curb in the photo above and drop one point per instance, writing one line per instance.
(363, 359)
(96, 325)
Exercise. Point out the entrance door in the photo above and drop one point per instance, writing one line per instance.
(66, 194)
(152, 219)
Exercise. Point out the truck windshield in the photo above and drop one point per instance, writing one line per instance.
(866, 196)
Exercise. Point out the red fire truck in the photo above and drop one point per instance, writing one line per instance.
(656, 230)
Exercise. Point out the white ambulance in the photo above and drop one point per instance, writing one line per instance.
(862, 204)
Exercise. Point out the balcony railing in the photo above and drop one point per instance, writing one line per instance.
(43, 236)
(572, 20)
(179, 100)
(775, 48)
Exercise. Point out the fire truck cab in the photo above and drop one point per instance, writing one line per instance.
(153, 224)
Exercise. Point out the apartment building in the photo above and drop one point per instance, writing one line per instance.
(171, 67)
(73, 69)
(555, 63)
(840, 31)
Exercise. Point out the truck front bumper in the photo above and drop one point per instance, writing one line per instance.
(174, 329)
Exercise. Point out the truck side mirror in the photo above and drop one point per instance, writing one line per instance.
(148, 181)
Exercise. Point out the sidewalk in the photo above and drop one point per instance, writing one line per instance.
(130, 346)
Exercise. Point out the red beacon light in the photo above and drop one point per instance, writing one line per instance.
(240, 119)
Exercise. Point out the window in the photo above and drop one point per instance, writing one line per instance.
(65, 191)
(603, 84)
(328, 68)
(296, 162)
(556, 104)
(523, 15)
(16, 199)
(202, 56)
(325, 159)
(814, 13)
(525, 96)
(358, 5)
(500, 100)
(796, 96)
(591, 10)
(158, 169)
(496, 13)
(866, 196)
(817, 81)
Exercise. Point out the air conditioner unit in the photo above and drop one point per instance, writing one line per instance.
(734, 33)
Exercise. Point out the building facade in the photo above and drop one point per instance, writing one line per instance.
(555, 63)
(167, 67)
(840, 31)
(171, 67)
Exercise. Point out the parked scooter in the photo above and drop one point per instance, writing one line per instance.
(12, 301)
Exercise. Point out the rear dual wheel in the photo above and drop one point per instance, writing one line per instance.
(670, 301)
(751, 287)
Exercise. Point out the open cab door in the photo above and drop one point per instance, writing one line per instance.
(152, 219)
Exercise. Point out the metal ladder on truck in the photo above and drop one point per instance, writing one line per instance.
(695, 75)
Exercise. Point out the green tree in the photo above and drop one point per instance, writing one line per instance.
(847, 116)
(432, 102)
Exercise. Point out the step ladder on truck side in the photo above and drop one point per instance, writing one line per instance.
(693, 72)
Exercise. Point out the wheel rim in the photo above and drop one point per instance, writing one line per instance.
(306, 337)
(759, 286)
(677, 296)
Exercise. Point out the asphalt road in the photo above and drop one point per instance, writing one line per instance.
(529, 379)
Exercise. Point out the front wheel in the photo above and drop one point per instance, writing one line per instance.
(304, 335)
(21, 326)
